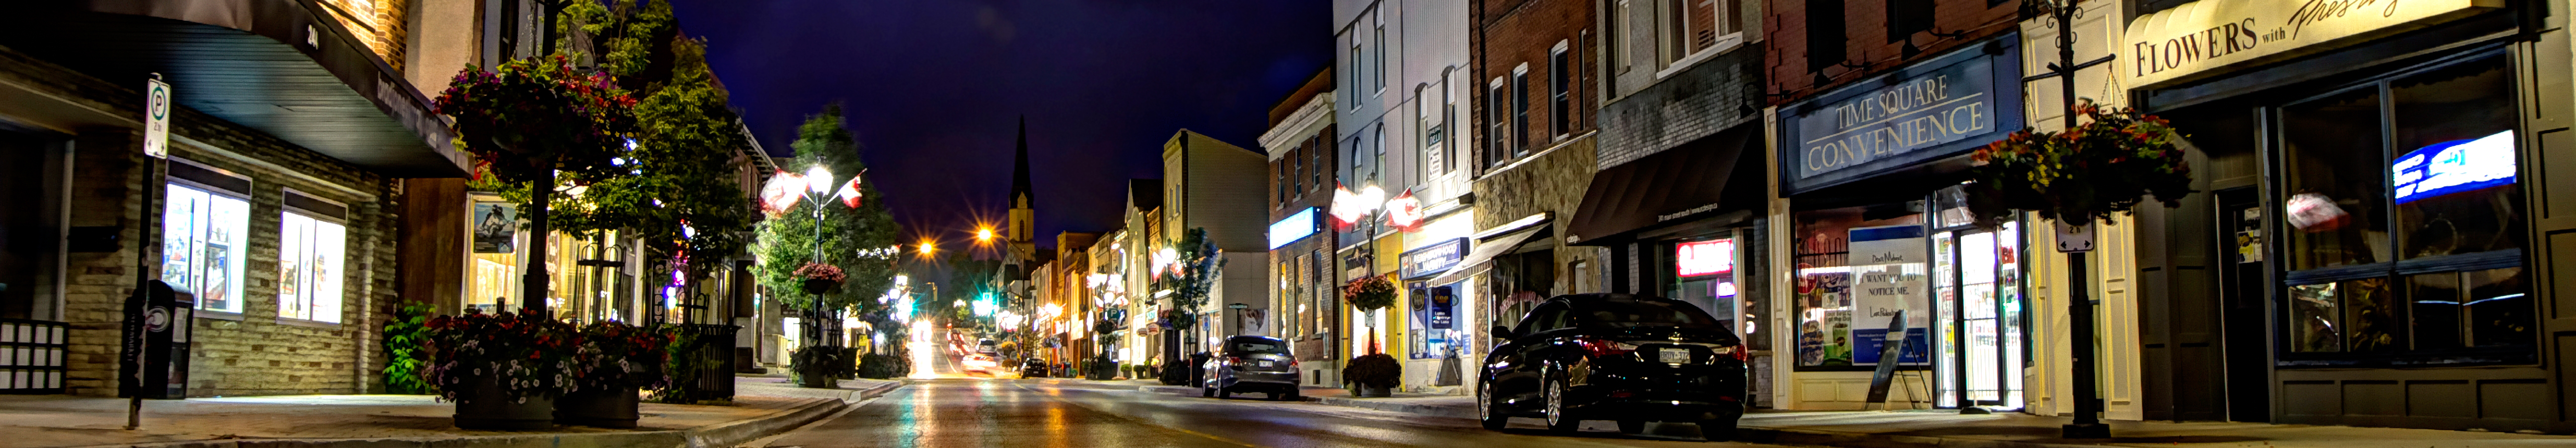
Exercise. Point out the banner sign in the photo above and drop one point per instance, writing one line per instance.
(1297, 226)
(1888, 282)
(1434, 259)
(1935, 109)
(2209, 34)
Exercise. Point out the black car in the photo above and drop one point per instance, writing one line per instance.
(1251, 364)
(1628, 358)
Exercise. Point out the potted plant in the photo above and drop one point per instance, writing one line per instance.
(611, 361)
(819, 279)
(2105, 165)
(816, 367)
(503, 371)
(1372, 375)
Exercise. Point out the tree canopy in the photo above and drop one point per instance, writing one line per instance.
(860, 240)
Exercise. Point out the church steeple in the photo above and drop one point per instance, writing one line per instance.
(1023, 225)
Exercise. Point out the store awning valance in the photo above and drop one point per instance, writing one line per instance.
(1503, 241)
(1708, 176)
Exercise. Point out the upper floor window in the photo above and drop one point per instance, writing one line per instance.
(1358, 56)
(1498, 143)
(1520, 110)
(1689, 27)
(1383, 47)
(1560, 87)
(1906, 17)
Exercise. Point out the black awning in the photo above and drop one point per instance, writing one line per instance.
(1708, 176)
(275, 66)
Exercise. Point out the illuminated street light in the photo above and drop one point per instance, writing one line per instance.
(927, 247)
(984, 234)
(818, 179)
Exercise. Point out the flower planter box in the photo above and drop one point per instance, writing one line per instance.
(604, 408)
(483, 406)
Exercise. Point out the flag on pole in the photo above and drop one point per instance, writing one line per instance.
(849, 193)
(782, 192)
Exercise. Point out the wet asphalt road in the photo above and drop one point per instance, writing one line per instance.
(983, 412)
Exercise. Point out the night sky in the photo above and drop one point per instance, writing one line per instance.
(933, 90)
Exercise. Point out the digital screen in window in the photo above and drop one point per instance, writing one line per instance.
(2455, 166)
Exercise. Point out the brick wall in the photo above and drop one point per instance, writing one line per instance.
(1866, 42)
(1509, 33)
(1720, 93)
(254, 353)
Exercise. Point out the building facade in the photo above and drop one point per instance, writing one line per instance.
(1305, 306)
(1217, 187)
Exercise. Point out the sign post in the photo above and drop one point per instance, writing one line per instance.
(138, 348)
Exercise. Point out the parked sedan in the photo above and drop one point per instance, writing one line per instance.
(1628, 358)
(1252, 364)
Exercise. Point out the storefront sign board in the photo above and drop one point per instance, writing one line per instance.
(2201, 36)
(1935, 109)
(1434, 259)
(1296, 226)
(1888, 269)
(1698, 258)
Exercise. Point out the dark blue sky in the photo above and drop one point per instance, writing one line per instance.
(933, 89)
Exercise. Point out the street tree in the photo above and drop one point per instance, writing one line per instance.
(860, 240)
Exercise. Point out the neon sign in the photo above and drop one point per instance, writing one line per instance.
(2455, 166)
(1297, 226)
(1705, 257)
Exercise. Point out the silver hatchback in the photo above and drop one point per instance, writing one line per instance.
(1250, 364)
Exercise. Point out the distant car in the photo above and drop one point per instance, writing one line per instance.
(978, 363)
(984, 346)
(1629, 358)
(1033, 368)
(1249, 364)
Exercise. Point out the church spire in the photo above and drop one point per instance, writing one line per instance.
(1020, 170)
(1023, 225)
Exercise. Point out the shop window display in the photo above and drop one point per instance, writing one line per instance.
(1828, 316)
(2404, 219)
(310, 255)
(203, 232)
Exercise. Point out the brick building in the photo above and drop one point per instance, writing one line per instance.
(1536, 111)
(1301, 149)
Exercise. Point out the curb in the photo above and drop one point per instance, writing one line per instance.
(1746, 434)
(720, 435)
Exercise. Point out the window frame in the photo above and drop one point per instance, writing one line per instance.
(1520, 110)
(286, 212)
(1560, 91)
(2398, 271)
(1498, 144)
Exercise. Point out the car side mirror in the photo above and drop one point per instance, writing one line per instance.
(1504, 332)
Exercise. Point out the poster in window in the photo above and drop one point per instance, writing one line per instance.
(217, 293)
(1887, 269)
(495, 228)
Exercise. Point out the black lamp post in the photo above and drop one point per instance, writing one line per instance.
(2061, 14)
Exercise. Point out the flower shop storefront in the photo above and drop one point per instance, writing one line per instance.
(1876, 227)
(2378, 213)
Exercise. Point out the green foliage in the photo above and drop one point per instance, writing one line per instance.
(1373, 370)
(828, 361)
(683, 367)
(854, 239)
(535, 117)
(883, 366)
(1196, 272)
(2105, 166)
(407, 352)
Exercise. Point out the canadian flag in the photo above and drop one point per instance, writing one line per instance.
(849, 193)
(782, 192)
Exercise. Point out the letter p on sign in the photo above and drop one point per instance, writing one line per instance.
(156, 119)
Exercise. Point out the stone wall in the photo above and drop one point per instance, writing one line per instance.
(255, 352)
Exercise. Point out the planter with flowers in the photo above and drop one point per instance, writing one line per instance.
(2105, 165)
(611, 361)
(820, 279)
(503, 371)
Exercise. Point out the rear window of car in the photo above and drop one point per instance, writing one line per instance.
(1643, 313)
(1255, 346)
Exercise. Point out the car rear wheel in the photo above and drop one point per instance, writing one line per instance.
(1492, 418)
(1223, 394)
(1717, 430)
(1557, 418)
(1291, 395)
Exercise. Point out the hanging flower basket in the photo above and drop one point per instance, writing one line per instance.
(1370, 293)
(820, 278)
(2106, 165)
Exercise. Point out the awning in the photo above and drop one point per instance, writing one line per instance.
(1707, 176)
(276, 66)
(1501, 241)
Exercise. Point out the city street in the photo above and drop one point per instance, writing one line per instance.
(963, 413)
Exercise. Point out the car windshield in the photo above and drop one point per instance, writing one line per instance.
(1254, 346)
(1643, 313)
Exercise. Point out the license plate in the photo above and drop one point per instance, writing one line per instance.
(1675, 356)
(1265, 363)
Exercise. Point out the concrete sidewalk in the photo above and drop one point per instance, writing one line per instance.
(1949, 429)
(400, 421)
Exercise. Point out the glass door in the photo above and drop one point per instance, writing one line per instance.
(1979, 303)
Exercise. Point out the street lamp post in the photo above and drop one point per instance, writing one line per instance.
(818, 180)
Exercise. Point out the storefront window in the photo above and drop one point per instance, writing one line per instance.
(202, 243)
(2443, 285)
(309, 258)
(1706, 273)
(2454, 172)
(1829, 313)
(2338, 180)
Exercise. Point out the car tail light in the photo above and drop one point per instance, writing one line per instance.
(1601, 348)
(1234, 360)
(1292, 363)
(1738, 352)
